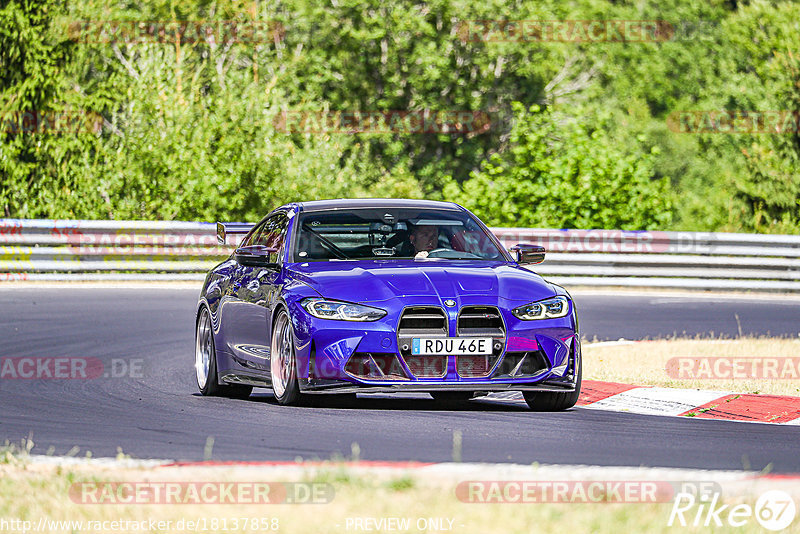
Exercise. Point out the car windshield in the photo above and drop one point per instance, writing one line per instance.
(390, 234)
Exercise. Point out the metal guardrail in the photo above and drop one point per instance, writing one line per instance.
(140, 250)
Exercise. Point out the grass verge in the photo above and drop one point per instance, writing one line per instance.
(361, 500)
(646, 362)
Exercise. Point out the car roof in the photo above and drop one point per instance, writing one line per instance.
(355, 203)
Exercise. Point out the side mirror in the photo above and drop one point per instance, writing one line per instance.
(528, 253)
(255, 256)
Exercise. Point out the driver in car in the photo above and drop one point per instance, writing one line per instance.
(424, 238)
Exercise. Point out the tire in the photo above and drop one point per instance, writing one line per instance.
(283, 363)
(452, 396)
(205, 363)
(552, 401)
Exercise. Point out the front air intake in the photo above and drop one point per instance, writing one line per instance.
(522, 365)
(422, 321)
(375, 366)
(480, 321)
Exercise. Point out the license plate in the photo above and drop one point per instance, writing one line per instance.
(421, 346)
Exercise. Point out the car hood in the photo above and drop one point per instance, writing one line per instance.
(374, 281)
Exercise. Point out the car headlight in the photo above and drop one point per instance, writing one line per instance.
(544, 309)
(340, 311)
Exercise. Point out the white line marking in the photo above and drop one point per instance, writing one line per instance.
(656, 401)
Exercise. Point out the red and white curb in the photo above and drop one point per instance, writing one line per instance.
(697, 403)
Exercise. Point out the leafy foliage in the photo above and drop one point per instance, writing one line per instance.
(186, 129)
(551, 157)
(30, 82)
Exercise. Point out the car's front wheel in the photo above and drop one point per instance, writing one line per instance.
(552, 401)
(283, 364)
(205, 363)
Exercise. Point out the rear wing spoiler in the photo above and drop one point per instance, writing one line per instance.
(226, 229)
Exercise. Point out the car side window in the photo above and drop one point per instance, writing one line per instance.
(273, 234)
(251, 239)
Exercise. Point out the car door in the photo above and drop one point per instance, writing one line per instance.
(253, 293)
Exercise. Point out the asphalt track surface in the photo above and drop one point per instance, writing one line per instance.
(160, 414)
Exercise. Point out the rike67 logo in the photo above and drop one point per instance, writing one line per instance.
(774, 510)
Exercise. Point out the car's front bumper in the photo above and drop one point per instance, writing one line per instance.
(427, 387)
(326, 349)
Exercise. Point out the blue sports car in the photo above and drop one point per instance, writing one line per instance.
(346, 296)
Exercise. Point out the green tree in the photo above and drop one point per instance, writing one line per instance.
(764, 72)
(31, 80)
(557, 173)
(185, 129)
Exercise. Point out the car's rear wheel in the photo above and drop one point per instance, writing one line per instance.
(283, 364)
(554, 401)
(205, 363)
